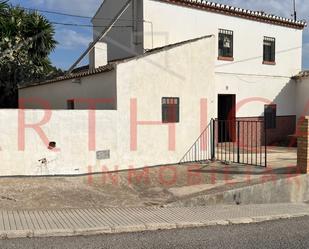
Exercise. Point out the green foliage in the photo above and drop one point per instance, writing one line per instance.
(26, 40)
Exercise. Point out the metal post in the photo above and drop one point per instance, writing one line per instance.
(213, 139)
(295, 13)
(238, 141)
(265, 141)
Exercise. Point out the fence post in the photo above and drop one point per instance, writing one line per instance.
(303, 146)
(238, 141)
(213, 140)
(265, 141)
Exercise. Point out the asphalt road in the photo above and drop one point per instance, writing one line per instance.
(293, 233)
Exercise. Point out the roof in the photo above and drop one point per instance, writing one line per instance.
(79, 73)
(83, 72)
(300, 75)
(239, 12)
(163, 48)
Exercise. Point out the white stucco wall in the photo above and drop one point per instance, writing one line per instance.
(176, 72)
(98, 86)
(69, 129)
(253, 92)
(172, 72)
(302, 96)
(173, 23)
(246, 77)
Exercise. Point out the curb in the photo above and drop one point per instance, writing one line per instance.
(12, 234)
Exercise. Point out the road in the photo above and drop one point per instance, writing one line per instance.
(293, 233)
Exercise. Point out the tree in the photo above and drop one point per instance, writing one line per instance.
(27, 38)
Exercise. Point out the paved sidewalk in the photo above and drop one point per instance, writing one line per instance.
(17, 224)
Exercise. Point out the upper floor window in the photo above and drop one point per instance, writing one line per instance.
(225, 44)
(170, 110)
(269, 50)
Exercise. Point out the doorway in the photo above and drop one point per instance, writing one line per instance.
(226, 117)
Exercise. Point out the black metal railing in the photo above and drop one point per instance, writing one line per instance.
(201, 150)
(230, 141)
(241, 141)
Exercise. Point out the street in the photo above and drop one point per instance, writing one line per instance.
(288, 233)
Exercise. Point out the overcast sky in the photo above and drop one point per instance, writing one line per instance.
(73, 40)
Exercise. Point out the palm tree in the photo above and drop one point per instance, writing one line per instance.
(27, 39)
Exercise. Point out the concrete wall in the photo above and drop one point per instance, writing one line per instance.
(126, 37)
(302, 96)
(176, 72)
(96, 87)
(69, 129)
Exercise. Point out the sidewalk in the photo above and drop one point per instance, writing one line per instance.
(69, 222)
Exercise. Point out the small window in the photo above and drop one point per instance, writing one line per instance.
(270, 116)
(269, 50)
(170, 110)
(225, 44)
(70, 104)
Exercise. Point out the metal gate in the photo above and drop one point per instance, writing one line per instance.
(231, 141)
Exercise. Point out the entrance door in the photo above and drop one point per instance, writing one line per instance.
(226, 117)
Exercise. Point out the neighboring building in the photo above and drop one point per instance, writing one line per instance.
(183, 52)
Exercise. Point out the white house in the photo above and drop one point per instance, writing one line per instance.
(206, 60)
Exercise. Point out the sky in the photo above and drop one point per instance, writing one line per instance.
(74, 40)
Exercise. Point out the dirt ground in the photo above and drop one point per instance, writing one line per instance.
(146, 187)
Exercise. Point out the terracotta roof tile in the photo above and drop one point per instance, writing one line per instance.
(80, 74)
(239, 12)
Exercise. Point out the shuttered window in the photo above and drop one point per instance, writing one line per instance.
(70, 104)
(225, 43)
(170, 110)
(269, 49)
(270, 116)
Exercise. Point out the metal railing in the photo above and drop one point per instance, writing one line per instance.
(230, 141)
(201, 150)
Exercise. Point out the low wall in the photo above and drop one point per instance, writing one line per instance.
(23, 132)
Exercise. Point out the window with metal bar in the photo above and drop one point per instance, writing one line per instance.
(170, 110)
(225, 43)
(269, 50)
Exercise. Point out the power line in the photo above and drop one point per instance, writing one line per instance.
(81, 25)
(87, 25)
(71, 15)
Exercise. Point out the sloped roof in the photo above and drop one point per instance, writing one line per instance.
(79, 72)
(238, 12)
(83, 72)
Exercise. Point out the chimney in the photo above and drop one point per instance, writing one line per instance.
(98, 55)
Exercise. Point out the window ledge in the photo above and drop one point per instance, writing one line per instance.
(224, 58)
(269, 63)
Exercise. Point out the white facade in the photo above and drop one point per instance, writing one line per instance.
(82, 89)
(246, 76)
(168, 72)
(187, 69)
(302, 96)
